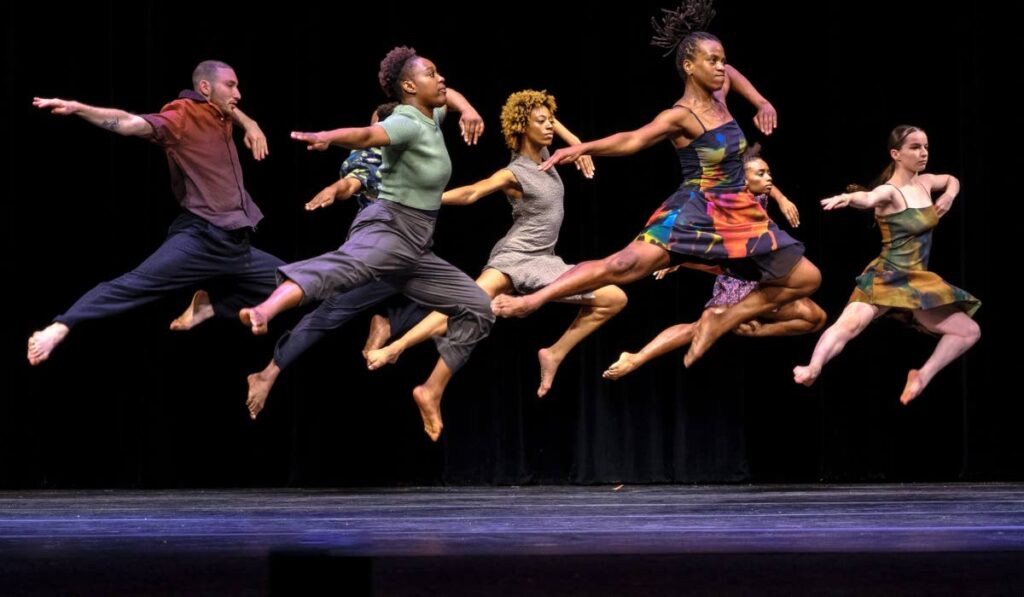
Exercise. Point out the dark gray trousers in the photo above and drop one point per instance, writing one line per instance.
(390, 244)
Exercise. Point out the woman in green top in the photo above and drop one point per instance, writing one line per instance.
(390, 241)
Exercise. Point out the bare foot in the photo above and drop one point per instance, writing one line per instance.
(380, 331)
(430, 409)
(913, 388)
(626, 364)
(42, 343)
(505, 305)
(750, 328)
(259, 388)
(375, 359)
(255, 319)
(806, 374)
(709, 329)
(549, 363)
(197, 312)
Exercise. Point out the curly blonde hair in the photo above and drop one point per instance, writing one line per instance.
(515, 114)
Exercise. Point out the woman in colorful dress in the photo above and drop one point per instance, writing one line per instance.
(710, 222)
(800, 317)
(898, 282)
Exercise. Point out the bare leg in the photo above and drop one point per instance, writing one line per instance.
(434, 324)
(959, 333)
(198, 311)
(799, 283)
(793, 319)
(380, 331)
(287, 295)
(608, 301)
(259, 388)
(493, 283)
(428, 399)
(668, 340)
(853, 321)
(42, 343)
(637, 260)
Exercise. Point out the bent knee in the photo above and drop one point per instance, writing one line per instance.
(972, 331)
(477, 307)
(483, 312)
(814, 314)
(471, 317)
(623, 262)
(809, 276)
(613, 298)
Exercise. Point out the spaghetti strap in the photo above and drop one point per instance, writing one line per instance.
(905, 204)
(704, 129)
(927, 191)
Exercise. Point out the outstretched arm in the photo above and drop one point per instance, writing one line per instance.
(585, 164)
(879, 196)
(502, 180)
(766, 118)
(470, 122)
(358, 175)
(112, 119)
(255, 140)
(787, 207)
(343, 189)
(352, 138)
(950, 187)
(667, 123)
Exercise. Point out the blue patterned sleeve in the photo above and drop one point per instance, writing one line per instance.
(362, 164)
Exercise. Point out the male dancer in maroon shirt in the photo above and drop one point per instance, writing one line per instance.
(210, 239)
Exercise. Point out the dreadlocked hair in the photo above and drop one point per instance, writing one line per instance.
(515, 114)
(391, 69)
(681, 29)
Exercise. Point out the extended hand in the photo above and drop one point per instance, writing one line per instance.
(789, 211)
(835, 202)
(766, 118)
(472, 126)
(322, 199)
(586, 165)
(256, 141)
(562, 156)
(316, 140)
(661, 273)
(56, 105)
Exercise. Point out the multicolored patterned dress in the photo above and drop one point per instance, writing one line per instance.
(711, 223)
(899, 277)
(729, 290)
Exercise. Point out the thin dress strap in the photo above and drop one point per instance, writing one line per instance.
(704, 129)
(905, 204)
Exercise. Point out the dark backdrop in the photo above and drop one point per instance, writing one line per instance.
(124, 402)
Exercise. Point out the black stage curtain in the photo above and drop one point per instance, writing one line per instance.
(124, 402)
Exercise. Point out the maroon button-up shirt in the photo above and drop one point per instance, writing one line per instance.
(206, 176)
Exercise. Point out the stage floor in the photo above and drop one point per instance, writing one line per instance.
(948, 539)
